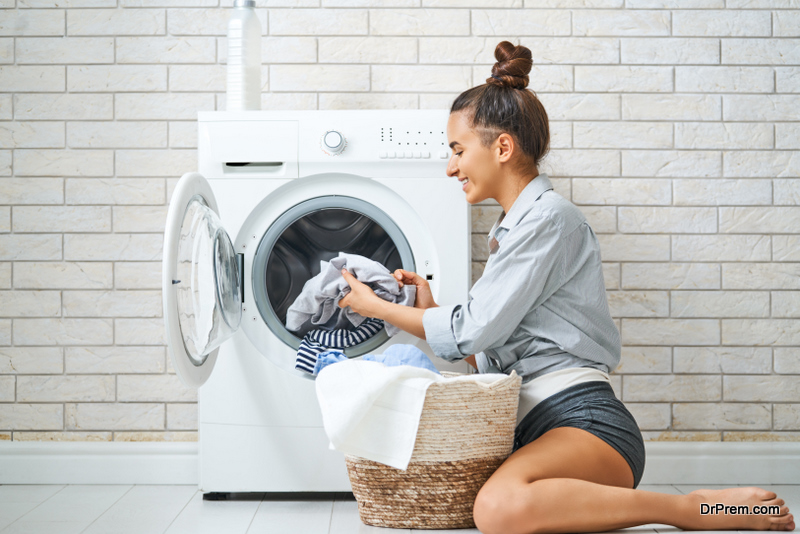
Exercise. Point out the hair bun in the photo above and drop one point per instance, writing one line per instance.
(513, 65)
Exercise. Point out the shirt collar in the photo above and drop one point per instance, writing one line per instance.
(520, 208)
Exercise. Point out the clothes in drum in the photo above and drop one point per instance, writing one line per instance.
(591, 406)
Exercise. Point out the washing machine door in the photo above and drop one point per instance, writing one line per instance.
(201, 286)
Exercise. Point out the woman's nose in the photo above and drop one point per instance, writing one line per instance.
(452, 168)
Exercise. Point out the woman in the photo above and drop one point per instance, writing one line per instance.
(540, 308)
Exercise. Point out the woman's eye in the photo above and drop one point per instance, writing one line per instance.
(459, 153)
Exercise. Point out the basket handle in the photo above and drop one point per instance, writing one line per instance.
(502, 384)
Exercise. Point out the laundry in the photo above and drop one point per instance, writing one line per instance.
(392, 357)
(320, 341)
(373, 411)
(317, 306)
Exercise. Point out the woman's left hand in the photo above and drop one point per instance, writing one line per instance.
(361, 299)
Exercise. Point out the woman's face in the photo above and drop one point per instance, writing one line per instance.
(474, 165)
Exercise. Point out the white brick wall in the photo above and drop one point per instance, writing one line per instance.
(675, 128)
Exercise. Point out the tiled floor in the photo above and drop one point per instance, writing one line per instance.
(181, 509)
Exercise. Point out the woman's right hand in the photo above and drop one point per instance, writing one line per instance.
(424, 296)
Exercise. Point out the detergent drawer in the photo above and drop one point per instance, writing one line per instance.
(248, 149)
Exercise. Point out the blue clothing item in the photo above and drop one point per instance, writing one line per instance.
(318, 341)
(394, 356)
(324, 359)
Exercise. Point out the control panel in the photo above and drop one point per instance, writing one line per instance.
(410, 143)
(290, 144)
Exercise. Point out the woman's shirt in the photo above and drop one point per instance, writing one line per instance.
(541, 304)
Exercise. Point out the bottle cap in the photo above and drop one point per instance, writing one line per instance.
(244, 3)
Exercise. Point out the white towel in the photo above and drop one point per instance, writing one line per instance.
(372, 411)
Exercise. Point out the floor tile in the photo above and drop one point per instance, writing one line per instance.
(143, 509)
(74, 504)
(28, 493)
(45, 527)
(232, 516)
(345, 520)
(11, 511)
(290, 517)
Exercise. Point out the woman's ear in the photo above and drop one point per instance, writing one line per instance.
(505, 147)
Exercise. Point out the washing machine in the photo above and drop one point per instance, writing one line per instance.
(276, 194)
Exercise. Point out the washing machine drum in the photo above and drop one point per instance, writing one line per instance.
(317, 230)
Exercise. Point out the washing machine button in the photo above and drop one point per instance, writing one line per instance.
(409, 154)
(383, 154)
(400, 154)
(417, 154)
(442, 155)
(426, 155)
(333, 142)
(392, 154)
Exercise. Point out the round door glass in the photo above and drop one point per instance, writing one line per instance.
(317, 231)
(208, 289)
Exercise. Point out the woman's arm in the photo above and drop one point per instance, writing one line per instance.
(364, 301)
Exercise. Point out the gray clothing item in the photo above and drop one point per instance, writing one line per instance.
(317, 305)
(541, 304)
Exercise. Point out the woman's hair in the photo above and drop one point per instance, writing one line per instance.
(504, 104)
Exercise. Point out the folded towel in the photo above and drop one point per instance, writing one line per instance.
(317, 306)
(318, 341)
(392, 357)
(372, 411)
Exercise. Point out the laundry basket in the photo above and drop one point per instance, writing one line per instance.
(466, 431)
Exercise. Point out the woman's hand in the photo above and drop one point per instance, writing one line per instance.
(361, 299)
(424, 295)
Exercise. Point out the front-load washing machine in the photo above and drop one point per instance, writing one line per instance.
(276, 194)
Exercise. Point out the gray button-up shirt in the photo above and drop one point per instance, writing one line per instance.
(541, 304)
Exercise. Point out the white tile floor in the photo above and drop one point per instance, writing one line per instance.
(182, 510)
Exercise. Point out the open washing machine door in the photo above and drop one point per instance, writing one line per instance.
(201, 281)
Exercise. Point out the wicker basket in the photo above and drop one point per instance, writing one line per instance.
(465, 432)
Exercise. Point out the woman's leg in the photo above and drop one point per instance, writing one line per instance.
(569, 480)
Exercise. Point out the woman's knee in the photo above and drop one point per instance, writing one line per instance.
(502, 509)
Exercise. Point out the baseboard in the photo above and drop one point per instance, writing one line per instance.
(98, 463)
(716, 462)
(176, 463)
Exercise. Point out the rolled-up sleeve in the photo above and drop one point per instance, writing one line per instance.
(438, 326)
(525, 271)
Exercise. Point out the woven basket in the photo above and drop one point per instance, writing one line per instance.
(465, 432)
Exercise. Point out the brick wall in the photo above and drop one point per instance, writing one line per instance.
(676, 129)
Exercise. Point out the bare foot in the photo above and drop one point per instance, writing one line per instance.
(713, 510)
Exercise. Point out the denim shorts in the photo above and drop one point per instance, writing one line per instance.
(590, 406)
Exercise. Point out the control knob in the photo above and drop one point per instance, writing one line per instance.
(333, 142)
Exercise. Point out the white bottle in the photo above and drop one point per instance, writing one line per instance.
(244, 57)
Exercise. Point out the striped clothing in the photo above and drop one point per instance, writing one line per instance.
(318, 341)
